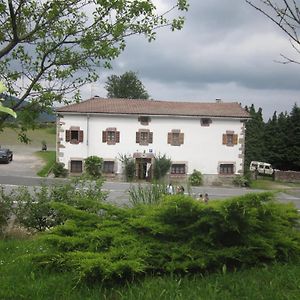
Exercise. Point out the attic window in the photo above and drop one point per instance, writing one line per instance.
(205, 122)
(144, 120)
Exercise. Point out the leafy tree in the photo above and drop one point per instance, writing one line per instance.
(4, 109)
(50, 48)
(125, 86)
(285, 14)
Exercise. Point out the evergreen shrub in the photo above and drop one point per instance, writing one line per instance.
(178, 234)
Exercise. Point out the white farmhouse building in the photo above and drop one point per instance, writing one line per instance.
(208, 137)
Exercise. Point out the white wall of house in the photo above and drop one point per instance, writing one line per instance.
(202, 149)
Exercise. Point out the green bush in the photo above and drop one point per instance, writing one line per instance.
(129, 167)
(150, 194)
(241, 181)
(33, 208)
(93, 166)
(179, 234)
(162, 165)
(5, 210)
(59, 170)
(195, 179)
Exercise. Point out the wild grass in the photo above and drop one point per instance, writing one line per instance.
(49, 157)
(20, 280)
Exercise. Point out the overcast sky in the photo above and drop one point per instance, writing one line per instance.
(226, 50)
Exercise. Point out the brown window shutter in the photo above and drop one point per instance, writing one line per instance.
(169, 137)
(68, 135)
(137, 137)
(150, 137)
(224, 139)
(80, 136)
(104, 136)
(117, 136)
(181, 138)
(235, 139)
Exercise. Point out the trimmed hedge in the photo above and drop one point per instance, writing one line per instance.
(179, 234)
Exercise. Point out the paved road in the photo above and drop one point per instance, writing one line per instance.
(22, 171)
(118, 191)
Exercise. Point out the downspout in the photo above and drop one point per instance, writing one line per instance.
(87, 134)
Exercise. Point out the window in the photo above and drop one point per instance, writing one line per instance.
(76, 166)
(205, 121)
(144, 120)
(108, 167)
(227, 169)
(111, 136)
(74, 135)
(178, 169)
(175, 137)
(230, 139)
(144, 137)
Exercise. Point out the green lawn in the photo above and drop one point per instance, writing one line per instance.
(49, 157)
(19, 279)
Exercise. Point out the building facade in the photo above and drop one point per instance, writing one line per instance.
(208, 137)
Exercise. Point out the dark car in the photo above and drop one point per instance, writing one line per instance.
(6, 155)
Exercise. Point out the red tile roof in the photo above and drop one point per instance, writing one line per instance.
(153, 107)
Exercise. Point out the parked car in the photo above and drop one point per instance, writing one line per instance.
(6, 155)
(261, 167)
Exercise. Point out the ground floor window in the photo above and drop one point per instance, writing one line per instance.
(178, 169)
(108, 167)
(76, 166)
(227, 169)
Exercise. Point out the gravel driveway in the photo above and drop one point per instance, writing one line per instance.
(25, 162)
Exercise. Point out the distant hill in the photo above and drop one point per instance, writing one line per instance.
(43, 117)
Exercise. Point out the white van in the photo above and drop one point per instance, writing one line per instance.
(261, 167)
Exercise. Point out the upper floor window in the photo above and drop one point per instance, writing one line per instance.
(111, 136)
(175, 137)
(205, 121)
(230, 138)
(144, 120)
(144, 137)
(74, 135)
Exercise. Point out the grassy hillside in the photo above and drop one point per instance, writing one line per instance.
(9, 137)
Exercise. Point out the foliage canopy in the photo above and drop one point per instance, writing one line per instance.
(51, 48)
(126, 85)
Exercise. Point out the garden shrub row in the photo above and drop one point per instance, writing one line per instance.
(100, 242)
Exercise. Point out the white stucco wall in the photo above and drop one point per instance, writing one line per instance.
(202, 149)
